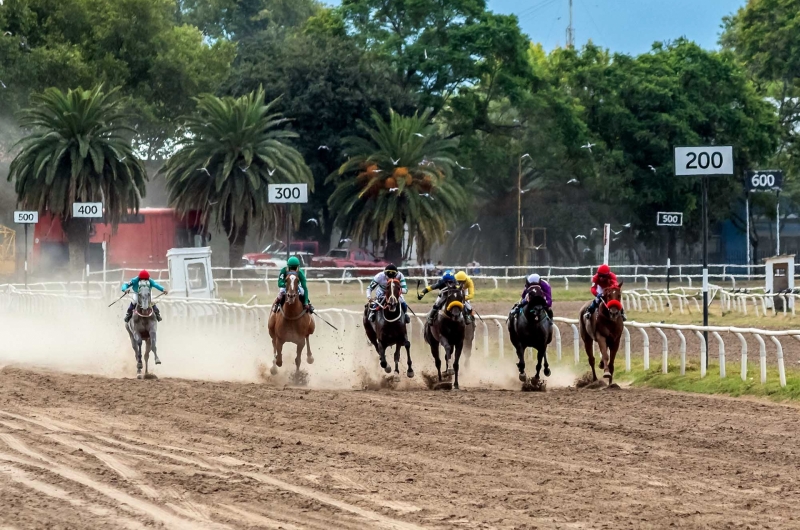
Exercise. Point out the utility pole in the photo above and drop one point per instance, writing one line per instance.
(519, 212)
(570, 29)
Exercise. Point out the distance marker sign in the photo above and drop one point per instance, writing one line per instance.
(27, 218)
(288, 193)
(87, 209)
(669, 219)
(710, 160)
(764, 180)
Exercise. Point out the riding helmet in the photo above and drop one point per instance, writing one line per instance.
(293, 263)
(448, 276)
(461, 276)
(534, 278)
(144, 275)
(603, 269)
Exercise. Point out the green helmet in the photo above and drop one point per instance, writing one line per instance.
(293, 263)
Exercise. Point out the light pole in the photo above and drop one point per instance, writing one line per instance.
(519, 209)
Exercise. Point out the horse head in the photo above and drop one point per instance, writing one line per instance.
(144, 298)
(292, 287)
(612, 300)
(393, 292)
(536, 300)
(454, 304)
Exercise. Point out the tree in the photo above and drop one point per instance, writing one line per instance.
(231, 151)
(78, 152)
(399, 175)
(327, 84)
(242, 19)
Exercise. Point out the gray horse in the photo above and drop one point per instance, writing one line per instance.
(142, 327)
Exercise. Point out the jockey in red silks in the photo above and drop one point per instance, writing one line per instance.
(604, 279)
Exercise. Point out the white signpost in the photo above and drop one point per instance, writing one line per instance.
(25, 219)
(87, 209)
(288, 194)
(704, 161)
(669, 219)
(764, 180)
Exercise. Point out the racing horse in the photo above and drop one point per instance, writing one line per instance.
(532, 328)
(291, 323)
(605, 327)
(389, 328)
(448, 330)
(142, 327)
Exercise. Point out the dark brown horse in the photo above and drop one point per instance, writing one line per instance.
(389, 328)
(292, 323)
(605, 327)
(532, 328)
(448, 331)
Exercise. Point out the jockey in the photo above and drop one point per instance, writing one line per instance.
(448, 281)
(133, 283)
(467, 285)
(293, 264)
(380, 283)
(604, 279)
(530, 281)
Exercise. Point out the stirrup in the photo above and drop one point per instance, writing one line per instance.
(128, 317)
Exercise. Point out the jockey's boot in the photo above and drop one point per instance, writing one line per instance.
(406, 316)
(278, 302)
(157, 311)
(590, 309)
(371, 316)
(432, 315)
(129, 314)
(513, 311)
(310, 308)
(469, 319)
(624, 318)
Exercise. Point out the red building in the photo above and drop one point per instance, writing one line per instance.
(141, 240)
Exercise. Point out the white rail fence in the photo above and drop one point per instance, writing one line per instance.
(491, 332)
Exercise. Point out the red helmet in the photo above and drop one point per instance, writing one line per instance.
(144, 275)
(603, 269)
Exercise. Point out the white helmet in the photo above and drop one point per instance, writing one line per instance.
(534, 278)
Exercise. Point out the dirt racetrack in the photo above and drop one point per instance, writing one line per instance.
(81, 451)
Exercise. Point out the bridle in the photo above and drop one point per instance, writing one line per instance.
(604, 303)
(140, 312)
(452, 303)
(393, 301)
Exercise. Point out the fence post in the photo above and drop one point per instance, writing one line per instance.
(558, 341)
(702, 353)
(576, 347)
(781, 368)
(664, 351)
(645, 348)
(762, 356)
(682, 351)
(627, 349)
(500, 338)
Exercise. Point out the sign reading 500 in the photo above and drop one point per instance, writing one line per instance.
(710, 160)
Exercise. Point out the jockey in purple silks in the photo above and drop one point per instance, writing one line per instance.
(530, 281)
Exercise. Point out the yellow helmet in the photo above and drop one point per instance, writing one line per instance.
(461, 276)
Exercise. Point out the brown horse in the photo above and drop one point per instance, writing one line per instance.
(448, 331)
(605, 327)
(291, 323)
(389, 328)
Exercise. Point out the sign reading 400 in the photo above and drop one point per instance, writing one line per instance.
(711, 160)
(87, 209)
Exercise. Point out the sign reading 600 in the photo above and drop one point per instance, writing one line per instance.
(764, 180)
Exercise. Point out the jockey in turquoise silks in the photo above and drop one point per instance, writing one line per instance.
(133, 283)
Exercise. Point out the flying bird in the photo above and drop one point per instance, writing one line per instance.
(7, 32)
(476, 225)
(312, 220)
(426, 54)
(587, 250)
(3, 84)
(244, 169)
(461, 167)
(651, 168)
(525, 155)
(593, 230)
(448, 232)
(346, 240)
(617, 233)
(428, 195)
(271, 171)
(206, 171)
(580, 236)
(325, 147)
(377, 171)
(588, 146)
(627, 225)
(573, 181)
(392, 190)
(420, 135)
(523, 191)
(395, 162)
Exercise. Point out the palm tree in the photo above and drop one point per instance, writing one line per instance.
(231, 150)
(79, 151)
(400, 174)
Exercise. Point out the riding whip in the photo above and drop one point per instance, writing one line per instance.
(120, 298)
(479, 315)
(328, 323)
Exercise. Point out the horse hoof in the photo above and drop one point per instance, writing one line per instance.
(523, 376)
(387, 369)
(384, 364)
(273, 370)
(547, 371)
(602, 364)
(139, 376)
(158, 361)
(607, 375)
(279, 363)
(449, 372)
(310, 360)
(139, 366)
(410, 374)
(396, 378)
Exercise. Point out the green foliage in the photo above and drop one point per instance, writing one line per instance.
(399, 173)
(77, 152)
(231, 150)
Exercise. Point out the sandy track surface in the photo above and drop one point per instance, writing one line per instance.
(91, 452)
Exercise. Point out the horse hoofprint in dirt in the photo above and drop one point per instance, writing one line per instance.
(142, 328)
(389, 328)
(605, 327)
(291, 323)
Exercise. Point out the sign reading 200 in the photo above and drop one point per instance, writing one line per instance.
(710, 160)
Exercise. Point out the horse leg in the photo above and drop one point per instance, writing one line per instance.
(459, 347)
(299, 355)
(543, 355)
(309, 356)
(397, 361)
(277, 357)
(521, 364)
(410, 372)
(437, 361)
(146, 356)
(448, 357)
(382, 356)
(154, 347)
(588, 344)
(603, 345)
(614, 346)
